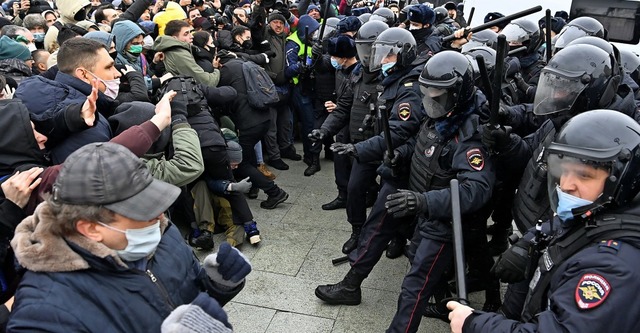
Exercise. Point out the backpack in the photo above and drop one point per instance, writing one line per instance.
(261, 92)
(187, 87)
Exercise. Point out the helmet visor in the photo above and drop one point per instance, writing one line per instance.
(567, 35)
(364, 52)
(436, 101)
(556, 92)
(381, 51)
(515, 34)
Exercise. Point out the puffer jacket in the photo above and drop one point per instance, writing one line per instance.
(78, 285)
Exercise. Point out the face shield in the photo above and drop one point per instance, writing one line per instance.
(557, 92)
(567, 35)
(379, 52)
(515, 34)
(437, 101)
(328, 30)
(471, 44)
(364, 53)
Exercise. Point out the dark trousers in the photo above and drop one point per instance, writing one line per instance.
(342, 164)
(279, 135)
(304, 110)
(431, 260)
(216, 166)
(377, 231)
(248, 167)
(362, 176)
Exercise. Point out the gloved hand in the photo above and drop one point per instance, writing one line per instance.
(242, 186)
(204, 310)
(511, 67)
(393, 161)
(512, 265)
(520, 83)
(178, 111)
(344, 149)
(317, 134)
(405, 203)
(228, 267)
(316, 50)
(496, 139)
(270, 53)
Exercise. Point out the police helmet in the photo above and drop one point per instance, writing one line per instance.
(631, 64)
(441, 14)
(522, 32)
(601, 44)
(577, 79)
(385, 15)
(482, 38)
(393, 41)
(365, 37)
(580, 27)
(446, 82)
(403, 16)
(330, 27)
(489, 56)
(364, 18)
(607, 140)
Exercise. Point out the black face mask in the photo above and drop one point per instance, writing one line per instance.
(420, 34)
(247, 44)
(113, 55)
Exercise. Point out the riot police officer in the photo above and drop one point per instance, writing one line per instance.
(525, 65)
(579, 27)
(588, 271)
(447, 147)
(393, 54)
(421, 19)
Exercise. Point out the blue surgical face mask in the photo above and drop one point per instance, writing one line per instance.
(386, 67)
(335, 64)
(567, 202)
(140, 242)
(39, 37)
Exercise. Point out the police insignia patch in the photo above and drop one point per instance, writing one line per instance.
(475, 159)
(591, 291)
(404, 111)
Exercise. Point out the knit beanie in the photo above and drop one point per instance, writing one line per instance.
(10, 49)
(312, 7)
(234, 150)
(276, 15)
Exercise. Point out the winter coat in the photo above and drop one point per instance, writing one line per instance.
(276, 65)
(75, 284)
(179, 60)
(15, 69)
(123, 32)
(67, 9)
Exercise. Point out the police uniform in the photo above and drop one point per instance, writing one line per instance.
(435, 162)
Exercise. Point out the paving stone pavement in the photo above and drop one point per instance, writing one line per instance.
(299, 240)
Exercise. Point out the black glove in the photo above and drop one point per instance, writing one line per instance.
(520, 83)
(316, 50)
(496, 139)
(178, 111)
(318, 134)
(345, 149)
(393, 161)
(270, 53)
(511, 67)
(512, 265)
(405, 203)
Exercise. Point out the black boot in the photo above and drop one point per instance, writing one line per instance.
(290, 153)
(345, 292)
(438, 309)
(352, 242)
(314, 167)
(396, 247)
(339, 202)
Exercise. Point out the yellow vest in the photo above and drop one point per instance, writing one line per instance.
(294, 38)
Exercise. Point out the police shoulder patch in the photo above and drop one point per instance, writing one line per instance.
(404, 111)
(475, 159)
(591, 291)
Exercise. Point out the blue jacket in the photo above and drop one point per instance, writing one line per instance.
(46, 98)
(73, 284)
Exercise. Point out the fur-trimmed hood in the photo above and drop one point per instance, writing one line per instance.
(38, 249)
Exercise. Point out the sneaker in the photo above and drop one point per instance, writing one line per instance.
(253, 193)
(253, 234)
(290, 153)
(278, 164)
(204, 241)
(264, 170)
(274, 200)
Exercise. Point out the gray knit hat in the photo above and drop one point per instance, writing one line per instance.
(234, 150)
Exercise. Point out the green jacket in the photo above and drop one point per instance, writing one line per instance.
(178, 60)
(186, 165)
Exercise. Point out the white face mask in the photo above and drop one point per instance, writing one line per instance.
(414, 27)
(32, 47)
(140, 242)
(113, 86)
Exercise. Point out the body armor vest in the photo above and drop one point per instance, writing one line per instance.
(364, 102)
(431, 161)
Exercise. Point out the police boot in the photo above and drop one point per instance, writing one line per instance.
(352, 242)
(396, 247)
(345, 292)
(339, 202)
(492, 300)
(438, 309)
(314, 166)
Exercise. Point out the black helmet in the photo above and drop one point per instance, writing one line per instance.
(631, 64)
(385, 15)
(364, 18)
(606, 140)
(331, 26)
(441, 14)
(404, 13)
(482, 38)
(489, 56)
(393, 41)
(577, 79)
(580, 27)
(601, 44)
(523, 32)
(446, 82)
(365, 36)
